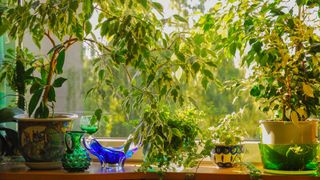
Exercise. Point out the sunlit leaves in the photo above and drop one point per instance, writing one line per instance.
(307, 89)
(180, 18)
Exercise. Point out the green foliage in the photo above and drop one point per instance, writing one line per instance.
(63, 25)
(278, 42)
(16, 70)
(170, 138)
(228, 131)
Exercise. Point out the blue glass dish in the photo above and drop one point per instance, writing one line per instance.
(109, 157)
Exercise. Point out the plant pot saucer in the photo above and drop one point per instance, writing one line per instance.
(44, 165)
(307, 172)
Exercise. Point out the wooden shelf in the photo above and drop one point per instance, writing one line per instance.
(19, 171)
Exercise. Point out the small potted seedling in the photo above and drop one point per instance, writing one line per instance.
(228, 137)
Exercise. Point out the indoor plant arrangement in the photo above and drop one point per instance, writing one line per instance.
(228, 138)
(148, 68)
(171, 142)
(41, 132)
(279, 42)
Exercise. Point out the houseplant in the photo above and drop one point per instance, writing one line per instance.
(148, 68)
(41, 132)
(171, 142)
(278, 41)
(228, 137)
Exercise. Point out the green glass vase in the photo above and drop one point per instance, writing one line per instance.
(76, 157)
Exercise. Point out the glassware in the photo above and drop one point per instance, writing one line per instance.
(89, 124)
(109, 157)
(76, 157)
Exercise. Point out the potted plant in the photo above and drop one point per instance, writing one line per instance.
(279, 42)
(41, 132)
(228, 138)
(173, 141)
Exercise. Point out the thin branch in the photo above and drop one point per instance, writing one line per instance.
(99, 44)
(50, 38)
(130, 78)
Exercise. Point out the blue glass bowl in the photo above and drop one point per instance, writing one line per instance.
(109, 157)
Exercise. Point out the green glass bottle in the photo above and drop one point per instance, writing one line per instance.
(76, 157)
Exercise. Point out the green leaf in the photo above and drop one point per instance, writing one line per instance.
(58, 82)
(3, 26)
(144, 3)
(208, 73)
(98, 114)
(176, 132)
(42, 111)
(158, 7)
(255, 91)
(204, 82)
(195, 67)
(257, 47)
(44, 75)
(35, 86)
(104, 28)
(174, 93)
(233, 48)
(180, 18)
(180, 56)
(60, 62)
(150, 79)
(34, 101)
(87, 8)
(88, 27)
(51, 94)
(101, 74)
(212, 64)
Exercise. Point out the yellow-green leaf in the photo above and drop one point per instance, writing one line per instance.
(302, 112)
(295, 118)
(307, 89)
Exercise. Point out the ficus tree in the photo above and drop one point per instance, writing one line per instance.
(279, 42)
(147, 68)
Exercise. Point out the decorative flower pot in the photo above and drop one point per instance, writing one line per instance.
(289, 147)
(227, 156)
(41, 140)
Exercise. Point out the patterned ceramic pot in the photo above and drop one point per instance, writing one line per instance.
(227, 156)
(41, 140)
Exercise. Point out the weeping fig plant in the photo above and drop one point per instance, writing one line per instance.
(280, 42)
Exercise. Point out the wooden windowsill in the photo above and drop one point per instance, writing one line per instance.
(19, 171)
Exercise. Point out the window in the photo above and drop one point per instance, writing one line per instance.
(215, 101)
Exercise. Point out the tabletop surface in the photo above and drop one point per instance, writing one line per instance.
(11, 171)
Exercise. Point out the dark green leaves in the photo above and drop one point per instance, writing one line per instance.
(195, 67)
(34, 101)
(60, 62)
(98, 114)
(51, 94)
(87, 8)
(158, 7)
(58, 82)
(255, 91)
(180, 56)
(207, 73)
